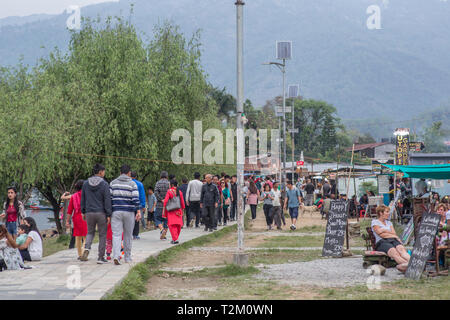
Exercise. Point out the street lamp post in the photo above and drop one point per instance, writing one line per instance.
(293, 93)
(284, 52)
(282, 67)
(240, 258)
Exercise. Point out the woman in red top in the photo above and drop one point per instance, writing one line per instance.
(174, 217)
(14, 210)
(79, 225)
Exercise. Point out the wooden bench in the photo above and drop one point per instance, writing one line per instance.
(371, 256)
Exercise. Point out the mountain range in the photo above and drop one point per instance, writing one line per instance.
(398, 71)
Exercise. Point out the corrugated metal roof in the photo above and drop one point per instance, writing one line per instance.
(430, 155)
(359, 147)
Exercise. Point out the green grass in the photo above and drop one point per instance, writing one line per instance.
(58, 243)
(307, 229)
(133, 287)
(230, 270)
(55, 244)
(405, 289)
(292, 242)
(275, 256)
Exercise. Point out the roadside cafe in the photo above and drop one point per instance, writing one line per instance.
(427, 225)
(426, 232)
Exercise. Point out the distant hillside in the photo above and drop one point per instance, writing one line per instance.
(18, 21)
(397, 72)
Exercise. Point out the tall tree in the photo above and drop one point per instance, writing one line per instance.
(434, 137)
(110, 99)
(318, 126)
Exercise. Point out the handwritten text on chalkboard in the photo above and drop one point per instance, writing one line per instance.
(423, 245)
(335, 231)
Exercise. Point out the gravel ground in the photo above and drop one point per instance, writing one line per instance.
(343, 272)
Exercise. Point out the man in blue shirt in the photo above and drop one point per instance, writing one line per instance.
(292, 201)
(142, 197)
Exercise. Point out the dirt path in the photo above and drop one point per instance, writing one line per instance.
(296, 272)
(163, 285)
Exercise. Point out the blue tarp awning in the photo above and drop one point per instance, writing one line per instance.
(437, 171)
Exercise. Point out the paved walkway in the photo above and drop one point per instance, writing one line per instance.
(54, 278)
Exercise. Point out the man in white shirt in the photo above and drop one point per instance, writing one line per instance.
(193, 194)
(275, 212)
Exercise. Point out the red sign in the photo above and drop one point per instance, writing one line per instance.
(300, 163)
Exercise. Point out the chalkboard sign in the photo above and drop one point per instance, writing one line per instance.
(336, 228)
(423, 245)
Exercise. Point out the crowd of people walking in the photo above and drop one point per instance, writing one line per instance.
(117, 210)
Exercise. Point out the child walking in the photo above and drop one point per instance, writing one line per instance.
(79, 225)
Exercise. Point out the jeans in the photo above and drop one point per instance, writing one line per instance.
(11, 227)
(209, 216)
(253, 209)
(159, 220)
(218, 215)
(309, 199)
(275, 216)
(194, 212)
(233, 210)
(25, 254)
(225, 215)
(143, 219)
(186, 214)
(122, 222)
(150, 217)
(72, 241)
(282, 216)
(293, 212)
(269, 219)
(96, 219)
(136, 227)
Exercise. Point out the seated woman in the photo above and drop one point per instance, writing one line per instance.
(387, 241)
(31, 250)
(442, 235)
(10, 258)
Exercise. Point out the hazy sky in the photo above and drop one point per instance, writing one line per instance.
(29, 7)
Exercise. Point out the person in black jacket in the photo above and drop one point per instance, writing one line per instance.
(209, 202)
(96, 209)
(234, 198)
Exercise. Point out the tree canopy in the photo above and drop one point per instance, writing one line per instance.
(111, 99)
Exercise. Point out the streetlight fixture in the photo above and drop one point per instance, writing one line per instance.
(284, 52)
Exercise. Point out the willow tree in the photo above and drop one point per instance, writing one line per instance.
(20, 130)
(111, 97)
